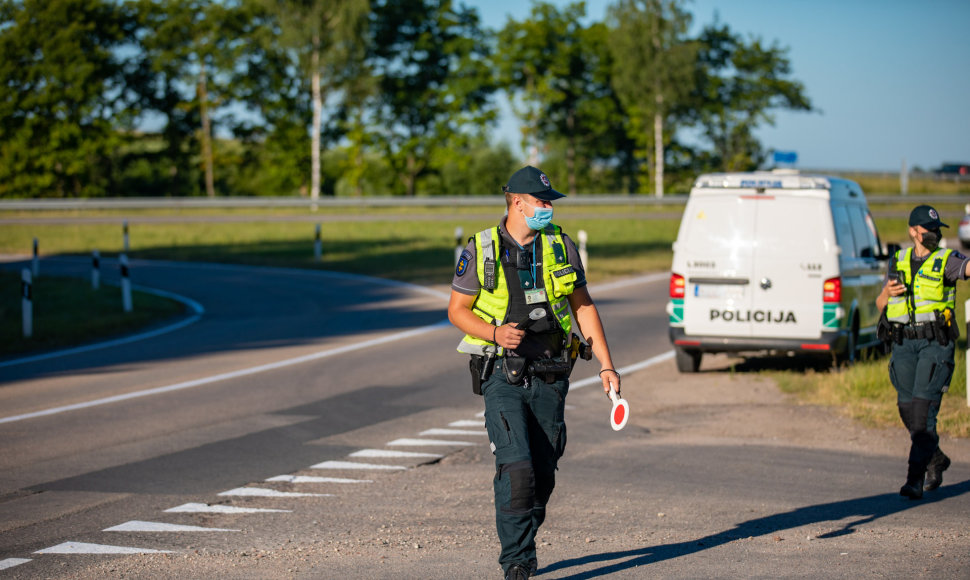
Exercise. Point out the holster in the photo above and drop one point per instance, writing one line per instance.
(514, 367)
(481, 368)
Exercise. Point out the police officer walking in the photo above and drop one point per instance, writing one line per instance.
(920, 302)
(512, 293)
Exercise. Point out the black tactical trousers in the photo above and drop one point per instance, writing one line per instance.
(920, 370)
(527, 432)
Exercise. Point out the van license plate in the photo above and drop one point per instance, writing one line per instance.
(720, 291)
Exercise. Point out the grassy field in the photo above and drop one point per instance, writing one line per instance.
(417, 245)
(68, 312)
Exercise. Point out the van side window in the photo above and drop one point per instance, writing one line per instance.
(865, 241)
(843, 231)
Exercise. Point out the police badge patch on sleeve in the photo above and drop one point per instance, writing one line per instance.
(463, 263)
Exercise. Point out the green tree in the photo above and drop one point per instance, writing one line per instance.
(653, 62)
(326, 36)
(560, 70)
(738, 85)
(435, 83)
(61, 84)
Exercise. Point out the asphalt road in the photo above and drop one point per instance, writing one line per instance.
(290, 374)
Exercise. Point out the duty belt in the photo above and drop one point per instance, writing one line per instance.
(917, 330)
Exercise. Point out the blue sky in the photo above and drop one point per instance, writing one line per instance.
(890, 78)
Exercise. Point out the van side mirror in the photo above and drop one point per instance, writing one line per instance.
(891, 250)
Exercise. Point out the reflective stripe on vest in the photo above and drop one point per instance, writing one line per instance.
(559, 278)
(926, 291)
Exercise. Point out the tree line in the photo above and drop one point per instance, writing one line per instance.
(378, 97)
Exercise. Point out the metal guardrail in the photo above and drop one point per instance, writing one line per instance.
(389, 201)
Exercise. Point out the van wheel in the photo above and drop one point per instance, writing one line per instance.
(688, 361)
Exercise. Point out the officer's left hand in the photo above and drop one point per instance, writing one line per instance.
(610, 377)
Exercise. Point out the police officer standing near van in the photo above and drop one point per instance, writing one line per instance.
(920, 302)
(512, 293)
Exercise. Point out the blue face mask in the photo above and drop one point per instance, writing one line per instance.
(541, 217)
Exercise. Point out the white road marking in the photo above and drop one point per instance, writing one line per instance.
(84, 548)
(11, 562)
(315, 479)
(595, 380)
(197, 310)
(353, 465)
(426, 442)
(400, 336)
(467, 423)
(139, 526)
(264, 492)
(450, 432)
(201, 508)
(391, 453)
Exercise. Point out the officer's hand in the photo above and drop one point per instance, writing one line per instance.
(895, 288)
(610, 377)
(508, 336)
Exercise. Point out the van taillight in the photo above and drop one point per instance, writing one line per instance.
(677, 286)
(832, 290)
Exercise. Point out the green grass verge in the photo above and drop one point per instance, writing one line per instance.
(864, 392)
(68, 312)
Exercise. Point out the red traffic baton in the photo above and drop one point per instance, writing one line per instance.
(620, 412)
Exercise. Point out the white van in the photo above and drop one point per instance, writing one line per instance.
(775, 262)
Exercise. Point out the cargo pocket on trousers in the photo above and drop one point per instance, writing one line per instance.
(499, 432)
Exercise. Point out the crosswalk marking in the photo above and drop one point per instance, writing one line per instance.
(354, 465)
(451, 432)
(264, 492)
(426, 442)
(85, 548)
(391, 453)
(140, 526)
(315, 479)
(202, 508)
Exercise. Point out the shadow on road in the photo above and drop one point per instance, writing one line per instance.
(865, 509)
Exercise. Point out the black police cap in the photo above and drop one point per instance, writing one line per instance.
(926, 216)
(531, 181)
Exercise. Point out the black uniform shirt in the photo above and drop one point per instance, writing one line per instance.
(545, 336)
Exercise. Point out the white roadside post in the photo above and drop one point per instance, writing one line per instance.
(317, 245)
(124, 233)
(583, 255)
(95, 269)
(125, 284)
(459, 232)
(27, 303)
(35, 264)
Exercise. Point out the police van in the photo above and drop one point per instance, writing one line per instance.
(775, 262)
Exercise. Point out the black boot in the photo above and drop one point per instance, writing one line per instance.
(934, 471)
(914, 483)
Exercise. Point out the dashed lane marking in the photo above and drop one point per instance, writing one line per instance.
(140, 526)
(264, 492)
(426, 443)
(387, 453)
(440, 432)
(11, 562)
(202, 508)
(595, 380)
(353, 465)
(467, 423)
(85, 548)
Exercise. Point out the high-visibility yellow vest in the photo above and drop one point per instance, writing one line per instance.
(492, 305)
(926, 291)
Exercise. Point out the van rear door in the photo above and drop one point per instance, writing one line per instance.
(756, 263)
